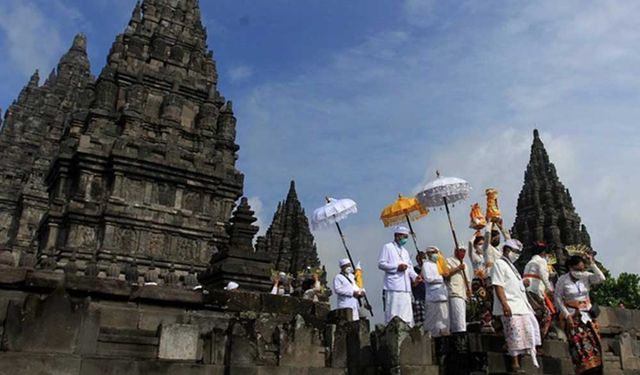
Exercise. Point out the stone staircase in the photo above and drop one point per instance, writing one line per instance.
(555, 361)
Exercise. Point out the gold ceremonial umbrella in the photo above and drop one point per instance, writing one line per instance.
(404, 209)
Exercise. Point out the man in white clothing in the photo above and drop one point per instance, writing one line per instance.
(521, 330)
(398, 270)
(459, 291)
(344, 284)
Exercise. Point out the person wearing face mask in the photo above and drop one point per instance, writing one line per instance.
(344, 284)
(459, 291)
(282, 285)
(398, 270)
(537, 272)
(521, 330)
(577, 314)
(436, 320)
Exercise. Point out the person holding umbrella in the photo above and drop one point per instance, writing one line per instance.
(459, 293)
(398, 270)
(344, 284)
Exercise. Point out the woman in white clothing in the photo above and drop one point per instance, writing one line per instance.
(576, 312)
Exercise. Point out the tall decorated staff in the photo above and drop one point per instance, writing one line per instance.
(445, 191)
(404, 209)
(334, 211)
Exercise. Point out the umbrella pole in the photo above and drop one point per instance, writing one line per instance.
(455, 240)
(344, 243)
(413, 234)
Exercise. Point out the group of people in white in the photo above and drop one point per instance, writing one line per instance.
(524, 304)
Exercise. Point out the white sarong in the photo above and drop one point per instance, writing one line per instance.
(457, 314)
(398, 304)
(522, 334)
(436, 319)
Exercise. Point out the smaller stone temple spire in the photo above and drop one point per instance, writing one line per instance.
(545, 210)
(238, 261)
(288, 240)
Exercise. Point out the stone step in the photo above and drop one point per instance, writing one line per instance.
(500, 363)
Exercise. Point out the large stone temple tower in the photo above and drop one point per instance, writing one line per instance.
(545, 211)
(148, 169)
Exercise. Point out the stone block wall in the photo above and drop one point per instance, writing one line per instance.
(52, 323)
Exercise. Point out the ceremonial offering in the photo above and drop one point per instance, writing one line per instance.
(580, 250)
(493, 212)
(358, 276)
(443, 268)
(478, 221)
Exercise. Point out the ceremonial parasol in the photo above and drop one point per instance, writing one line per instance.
(404, 208)
(334, 211)
(444, 191)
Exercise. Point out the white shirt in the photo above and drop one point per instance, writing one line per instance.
(457, 284)
(505, 274)
(435, 288)
(390, 258)
(568, 289)
(539, 279)
(345, 286)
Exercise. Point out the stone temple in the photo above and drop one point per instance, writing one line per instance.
(545, 210)
(122, 218)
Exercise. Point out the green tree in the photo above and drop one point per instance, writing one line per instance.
(625, 289)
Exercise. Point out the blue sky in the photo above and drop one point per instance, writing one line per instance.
(366, 99)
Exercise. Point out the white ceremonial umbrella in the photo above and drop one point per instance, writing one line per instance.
(334, 211)
(444, 191)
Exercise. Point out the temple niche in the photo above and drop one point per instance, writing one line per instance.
(545, 210)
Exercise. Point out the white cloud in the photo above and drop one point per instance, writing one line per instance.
(239, 73)
(31, 38)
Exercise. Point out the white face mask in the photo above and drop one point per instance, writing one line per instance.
(513, 257)
(579, 274)
(348, 270)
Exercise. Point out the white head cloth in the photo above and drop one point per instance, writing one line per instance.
(432, 249)
(399, 229)
(344, 262)
(514, 244)
(231, 286)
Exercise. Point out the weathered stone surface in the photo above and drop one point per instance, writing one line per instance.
(303, 344)
(179, 341)
(38, 363)
(38, 327)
